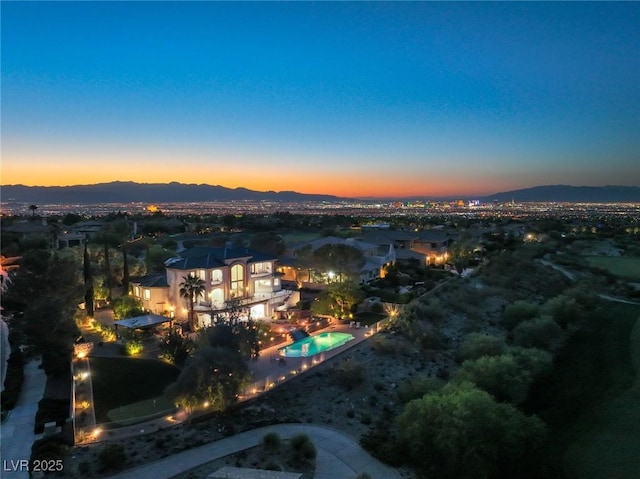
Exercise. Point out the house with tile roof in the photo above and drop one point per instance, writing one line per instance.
(376, 256)
(246, 277)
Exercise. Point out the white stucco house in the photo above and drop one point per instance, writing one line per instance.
(247, 277)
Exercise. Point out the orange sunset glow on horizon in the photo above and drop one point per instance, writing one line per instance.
(359, 185)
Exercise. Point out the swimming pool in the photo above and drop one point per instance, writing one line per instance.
(315, 344)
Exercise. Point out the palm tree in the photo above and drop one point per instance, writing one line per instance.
(33, 209)
(192, 288)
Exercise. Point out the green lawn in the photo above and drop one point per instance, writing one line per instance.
(622, 266)
(121, 382)
(298, 236)
(611, 448)
(141, 410)
(591, 400)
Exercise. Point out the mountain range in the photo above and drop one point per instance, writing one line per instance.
(131, 192)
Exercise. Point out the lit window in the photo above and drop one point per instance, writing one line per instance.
(216, 276)
(147, 294)
(237, 280)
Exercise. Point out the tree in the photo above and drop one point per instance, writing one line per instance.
(519, 311)
(268, 242)
(155, 257)
(305, 261)
(212, 375)
(175, 348)
(506, 377)
(88, 283)
(108, 278)
(344, 260)
(542, 332)
(460, 431)
(231, 332)
(33, 209)
(191, 288)
(125, 270)
(477, 345)
(461, 253)
(126, 307)
(345, 295)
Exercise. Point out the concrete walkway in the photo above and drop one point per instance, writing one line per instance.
(16, 433)
(338, 457)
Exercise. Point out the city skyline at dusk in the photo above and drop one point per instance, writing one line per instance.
(349, 99)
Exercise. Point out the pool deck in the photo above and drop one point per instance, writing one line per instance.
(266, 373)
(271, 369)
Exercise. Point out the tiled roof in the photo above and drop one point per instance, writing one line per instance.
(201, 257)
(152, 281)
(405, 254)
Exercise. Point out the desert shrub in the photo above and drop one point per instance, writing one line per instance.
(271, 441)
(112, 457)
(542, 332)
(518, 312)
(302, 449)
(49, 448)
(383, 446)
(417, 387)
(349, 375)
(84, 468)
(272, 466)
(476, 345)
(389, 346)
(133, 347)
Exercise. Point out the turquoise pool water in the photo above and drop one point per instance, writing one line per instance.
(315, 344)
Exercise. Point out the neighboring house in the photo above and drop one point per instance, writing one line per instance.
(377, 256)
(434, 245)
(69, 240)
(59, 235)
(87, 228)
(399, 239)
(152, 291)
(406, 256)
(238, 274)
(31, 229)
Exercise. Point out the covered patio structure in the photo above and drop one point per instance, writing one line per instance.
(142, 322)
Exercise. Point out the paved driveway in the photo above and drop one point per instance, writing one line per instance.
(16, 433)
(338, 456)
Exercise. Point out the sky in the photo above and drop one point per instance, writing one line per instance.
(355, 99)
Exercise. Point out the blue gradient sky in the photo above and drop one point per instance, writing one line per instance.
(353, 99)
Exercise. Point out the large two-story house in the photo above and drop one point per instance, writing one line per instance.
(242, 276)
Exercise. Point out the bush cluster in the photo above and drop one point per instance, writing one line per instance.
(112, 457)
(49, 410)
(302, 450)
(349, 375)
(13, 381)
